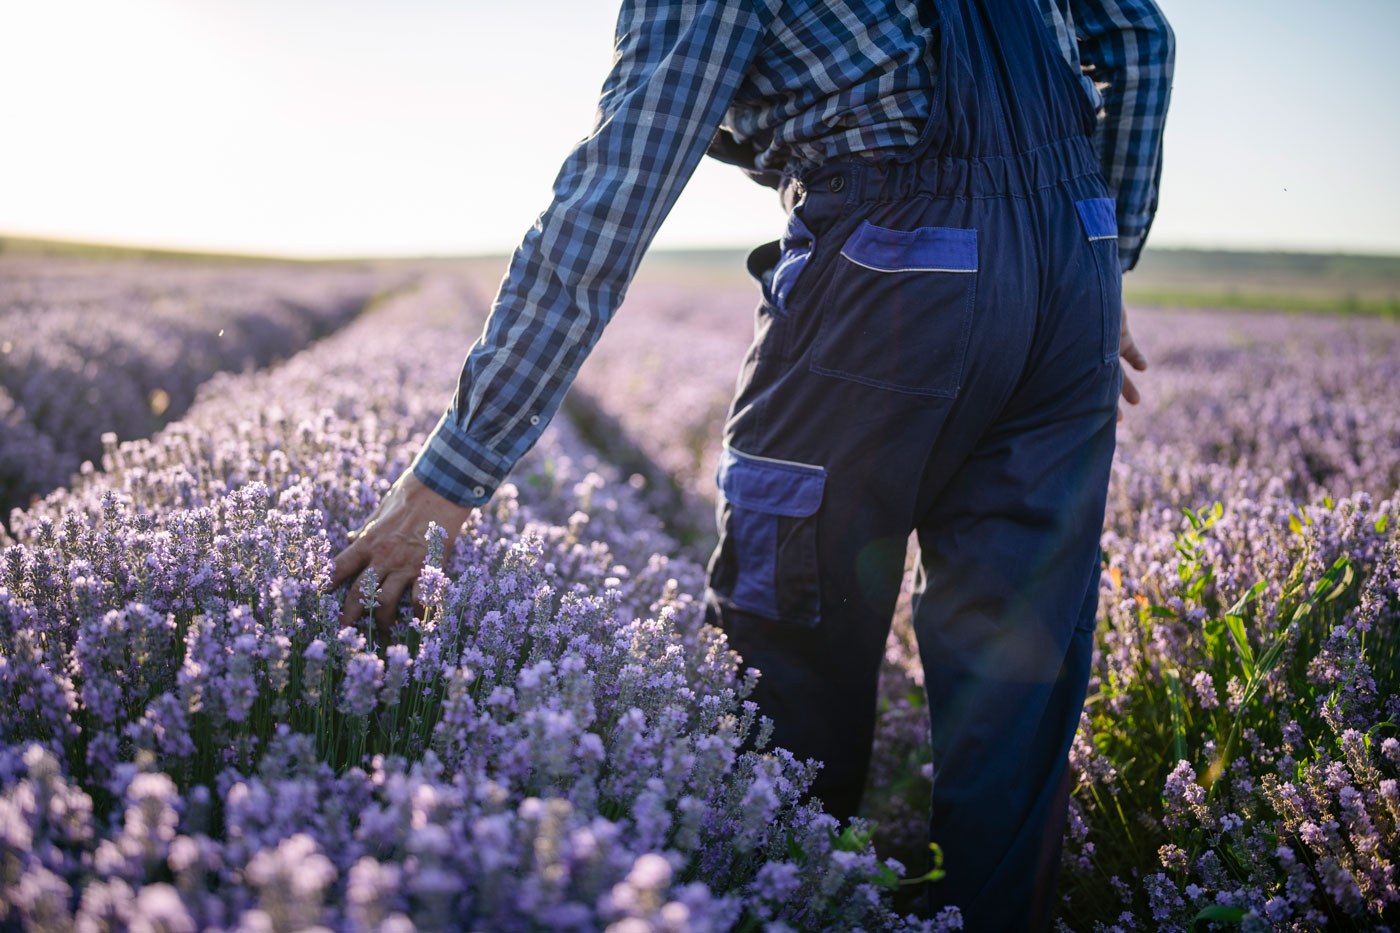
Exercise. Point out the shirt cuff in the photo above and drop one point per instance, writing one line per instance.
(456, 467)
(1129, 246)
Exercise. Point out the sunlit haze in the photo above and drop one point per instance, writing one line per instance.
(313, 127)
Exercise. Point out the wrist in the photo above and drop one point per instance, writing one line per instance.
(456, 467)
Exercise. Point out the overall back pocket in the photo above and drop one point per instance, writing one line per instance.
(766, 561)
(898, 311)
(1098, 216)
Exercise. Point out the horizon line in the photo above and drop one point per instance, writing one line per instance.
(29, 243)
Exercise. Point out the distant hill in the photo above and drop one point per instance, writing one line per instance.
(1286, 281)
(1326, 282)
(31, 246)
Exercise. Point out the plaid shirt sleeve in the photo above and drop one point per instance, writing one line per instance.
(676, 68)
(1128, 49)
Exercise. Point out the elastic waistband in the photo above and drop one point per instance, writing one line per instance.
(1022, 173)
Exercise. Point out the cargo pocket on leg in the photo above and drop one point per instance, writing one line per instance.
(766, 562)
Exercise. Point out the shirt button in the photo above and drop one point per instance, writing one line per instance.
(837, 183)
(534, 419)
(478, 490)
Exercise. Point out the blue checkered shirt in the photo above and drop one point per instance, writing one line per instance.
(786, 86)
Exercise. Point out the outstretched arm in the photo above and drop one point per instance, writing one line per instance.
(676, 68)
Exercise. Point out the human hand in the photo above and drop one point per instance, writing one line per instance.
(1128, 349)
(393, 542)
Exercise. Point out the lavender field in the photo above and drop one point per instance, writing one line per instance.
(191, 742)
(89, 347)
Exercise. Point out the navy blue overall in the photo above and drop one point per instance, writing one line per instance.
(937, 352)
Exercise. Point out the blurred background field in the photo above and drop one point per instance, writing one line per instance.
(95, 341)
(1326, 282)
(1176, 278)
(1181, 278)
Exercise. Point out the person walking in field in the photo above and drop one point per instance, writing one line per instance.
(936, 351)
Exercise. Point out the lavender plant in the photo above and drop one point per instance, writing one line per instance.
(1245, 731)
(560, 743)
(557, 743)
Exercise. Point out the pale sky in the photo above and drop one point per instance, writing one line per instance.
(401, 127)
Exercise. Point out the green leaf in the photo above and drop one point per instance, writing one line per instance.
(1295, 525)
(794, 851)
(1379, 726)
(1214, 631)
(1238, 608)
(1295, 579)
(1271, 654)
(851, 839)
(1348, 575)
(1331, 585)
(1178, 708)
(1381, 524)
(935, 873)
(1218, 913)
(1237, 635)
(1327, 501)
(1266, 664)
(885, 877)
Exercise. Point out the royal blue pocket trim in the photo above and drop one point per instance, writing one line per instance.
(925, 249)
(762, 492)
(1099, 217)
(769, 486)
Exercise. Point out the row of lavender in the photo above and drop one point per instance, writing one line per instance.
(663, 374)
(560, 743)
(88, 347)
(1238, 754)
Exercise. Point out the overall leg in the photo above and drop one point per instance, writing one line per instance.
(820, 478)
(819, 683)
(1005, 606)
(807, 598)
